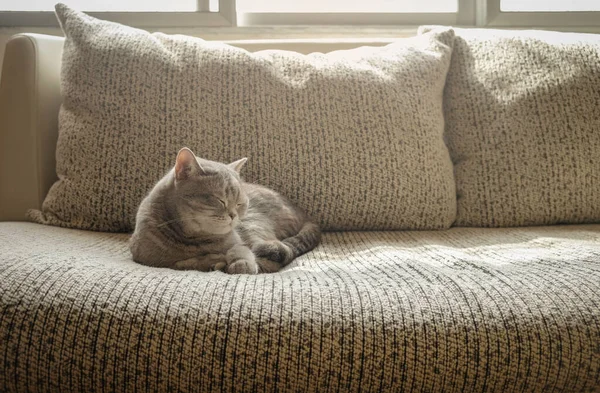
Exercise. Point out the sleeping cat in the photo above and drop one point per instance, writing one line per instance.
(202, 216)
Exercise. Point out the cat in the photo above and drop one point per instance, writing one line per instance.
(202, 216)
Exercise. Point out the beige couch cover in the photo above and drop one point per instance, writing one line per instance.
(463, 310)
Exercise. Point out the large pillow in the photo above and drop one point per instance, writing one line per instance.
(354, 137)
(523, 127)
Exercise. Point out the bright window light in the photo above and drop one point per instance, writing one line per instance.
(103, 5)
(549, 5)
(314, 6)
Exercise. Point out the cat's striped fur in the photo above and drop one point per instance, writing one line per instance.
(202, 216)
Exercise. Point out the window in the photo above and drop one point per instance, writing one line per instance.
(103, 6)
(549, 5)
(347, 6)
(561, 13)
(188, 13)
(348, 12)
(142, 13)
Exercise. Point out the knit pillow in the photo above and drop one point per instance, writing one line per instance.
(523, 127)
(354, 137)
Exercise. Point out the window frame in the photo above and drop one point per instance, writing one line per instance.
(471, 13)
(226, 16)
(464, 16)
(490, 15)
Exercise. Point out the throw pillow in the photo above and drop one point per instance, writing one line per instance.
(355, 137)
(523, 127)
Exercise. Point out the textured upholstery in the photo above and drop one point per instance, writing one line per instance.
(463, 310)
(522, 123)
(353, 137)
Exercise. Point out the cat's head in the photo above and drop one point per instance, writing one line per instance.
(208, 197)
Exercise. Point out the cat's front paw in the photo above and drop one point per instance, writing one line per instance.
(274, 250)
(219, 266)
(240, 260)
(203, 263)
(243, 266)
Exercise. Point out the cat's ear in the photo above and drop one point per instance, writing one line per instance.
(237, 165)
(186, 164)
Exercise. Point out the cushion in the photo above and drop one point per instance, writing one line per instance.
(523, 119)
(354, 137)
(463, 310)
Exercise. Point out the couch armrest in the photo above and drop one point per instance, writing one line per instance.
(29, 104)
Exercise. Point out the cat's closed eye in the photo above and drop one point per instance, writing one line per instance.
(190, 198)
(201, 200)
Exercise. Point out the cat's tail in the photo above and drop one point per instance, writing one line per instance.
(304, 241)
(274, 255)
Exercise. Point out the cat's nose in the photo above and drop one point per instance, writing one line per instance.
(232, 215)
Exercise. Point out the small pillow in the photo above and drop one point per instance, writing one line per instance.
(354, 137)
(523, 127)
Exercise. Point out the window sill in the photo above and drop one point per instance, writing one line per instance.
(260, 32)
(290, 32)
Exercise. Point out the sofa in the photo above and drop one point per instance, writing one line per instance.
(501, 299)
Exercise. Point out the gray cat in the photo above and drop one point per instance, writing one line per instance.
(202, 216)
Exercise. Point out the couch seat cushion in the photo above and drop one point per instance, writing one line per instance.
(492, 310)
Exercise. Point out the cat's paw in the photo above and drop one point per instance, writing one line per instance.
(242, 266)
(204, 263)
(267, 266)
(273, 250)
(240, 260)
(220, 266)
